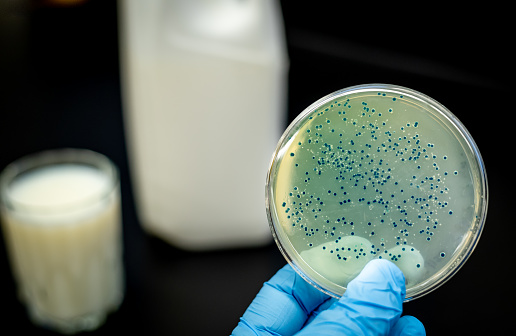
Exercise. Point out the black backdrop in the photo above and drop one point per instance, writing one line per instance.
(59, 87)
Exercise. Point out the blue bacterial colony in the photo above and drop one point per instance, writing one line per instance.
(371, 177)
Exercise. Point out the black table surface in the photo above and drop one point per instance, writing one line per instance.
(60, 87)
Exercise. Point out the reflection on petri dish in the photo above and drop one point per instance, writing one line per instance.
(376, 171)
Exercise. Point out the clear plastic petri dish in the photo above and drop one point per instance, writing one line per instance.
(376, 171)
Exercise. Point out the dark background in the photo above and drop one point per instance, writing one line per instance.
(60, 87)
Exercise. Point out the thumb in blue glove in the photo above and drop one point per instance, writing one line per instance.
(371, 305)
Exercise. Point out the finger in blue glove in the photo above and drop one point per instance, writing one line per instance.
(282, 307)
(408, 326)
(371, 305)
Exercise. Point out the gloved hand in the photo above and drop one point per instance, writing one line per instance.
(371, 305)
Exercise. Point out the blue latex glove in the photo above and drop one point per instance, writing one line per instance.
(371, 305)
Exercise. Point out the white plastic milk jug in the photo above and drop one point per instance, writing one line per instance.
(204, 90)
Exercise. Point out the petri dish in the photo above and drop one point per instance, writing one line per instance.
(376, 171)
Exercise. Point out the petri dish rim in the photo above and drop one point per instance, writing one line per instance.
(444, 117)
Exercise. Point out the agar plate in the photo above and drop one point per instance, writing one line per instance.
(376, 171)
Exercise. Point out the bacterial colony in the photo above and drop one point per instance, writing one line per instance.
(373, 175)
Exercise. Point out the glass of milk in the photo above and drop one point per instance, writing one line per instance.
(61, 218)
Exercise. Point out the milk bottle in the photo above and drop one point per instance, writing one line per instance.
(204, 86)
